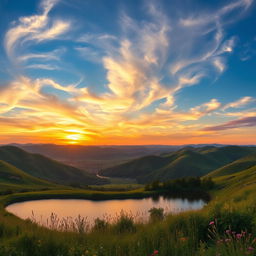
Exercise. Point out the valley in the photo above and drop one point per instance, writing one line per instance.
(27, 176)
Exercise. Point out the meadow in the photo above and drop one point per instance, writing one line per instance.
(226, 226)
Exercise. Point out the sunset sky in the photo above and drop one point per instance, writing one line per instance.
(114, 72)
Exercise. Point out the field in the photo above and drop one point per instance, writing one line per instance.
(232, 208)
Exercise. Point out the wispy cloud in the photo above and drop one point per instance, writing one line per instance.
(42, 66)
(34, 28)
(46, 56)
(240, 103)
(242, 122)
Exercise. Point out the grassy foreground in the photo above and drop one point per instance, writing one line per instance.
(226, 226)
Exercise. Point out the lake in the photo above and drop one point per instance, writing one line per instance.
(41, 210)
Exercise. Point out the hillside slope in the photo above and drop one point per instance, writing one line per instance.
(185, 162)
(234, 167)
(46, 168)
(135, 168)
(13, 179)
(182, 164)
(12, 175)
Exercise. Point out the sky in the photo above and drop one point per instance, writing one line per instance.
(127, 72)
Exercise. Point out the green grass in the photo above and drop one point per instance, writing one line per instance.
(116, 187)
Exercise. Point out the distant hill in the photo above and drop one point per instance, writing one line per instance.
(94, 158)
(136, 168)
(182, 163)
(46, 168)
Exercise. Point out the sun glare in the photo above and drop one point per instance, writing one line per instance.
(74, 138)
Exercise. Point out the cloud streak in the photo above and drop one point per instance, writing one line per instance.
(239, 123)
(34, 28)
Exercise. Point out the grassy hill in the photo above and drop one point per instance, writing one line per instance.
(13, 179)
(185, 162)
(45, 168)
(234, 167)
(135, 168)
(228, 154)
(11, 174)
(182, 164)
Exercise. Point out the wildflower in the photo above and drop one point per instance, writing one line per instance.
(211, 223)
(155, 253)
(228, 231)
(250, 249)
(238, 236)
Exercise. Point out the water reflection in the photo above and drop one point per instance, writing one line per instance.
(107, 209)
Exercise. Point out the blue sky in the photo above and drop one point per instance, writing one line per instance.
(127, 72)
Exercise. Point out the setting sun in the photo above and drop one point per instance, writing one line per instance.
(74, 138)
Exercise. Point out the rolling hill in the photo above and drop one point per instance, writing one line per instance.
(234, 167)
(12, 175)
(13, 179)
(45, 168)
(185, 162)
(93, 158)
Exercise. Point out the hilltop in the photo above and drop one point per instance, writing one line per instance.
(45, 168)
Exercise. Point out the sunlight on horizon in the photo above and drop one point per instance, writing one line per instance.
(160, 75)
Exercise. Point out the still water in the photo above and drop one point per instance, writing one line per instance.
(40, 210)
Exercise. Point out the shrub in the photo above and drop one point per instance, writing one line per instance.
(156, 214)
(125, 224)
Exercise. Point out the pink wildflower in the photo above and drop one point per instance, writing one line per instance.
(238, 236)
(211, 223)
(155, 253)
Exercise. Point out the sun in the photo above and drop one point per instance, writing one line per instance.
(74, 138)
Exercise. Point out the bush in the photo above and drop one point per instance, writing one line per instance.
(125, 224)
(156, 214)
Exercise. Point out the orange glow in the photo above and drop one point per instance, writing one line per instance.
(64, 137)
(73, 138)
